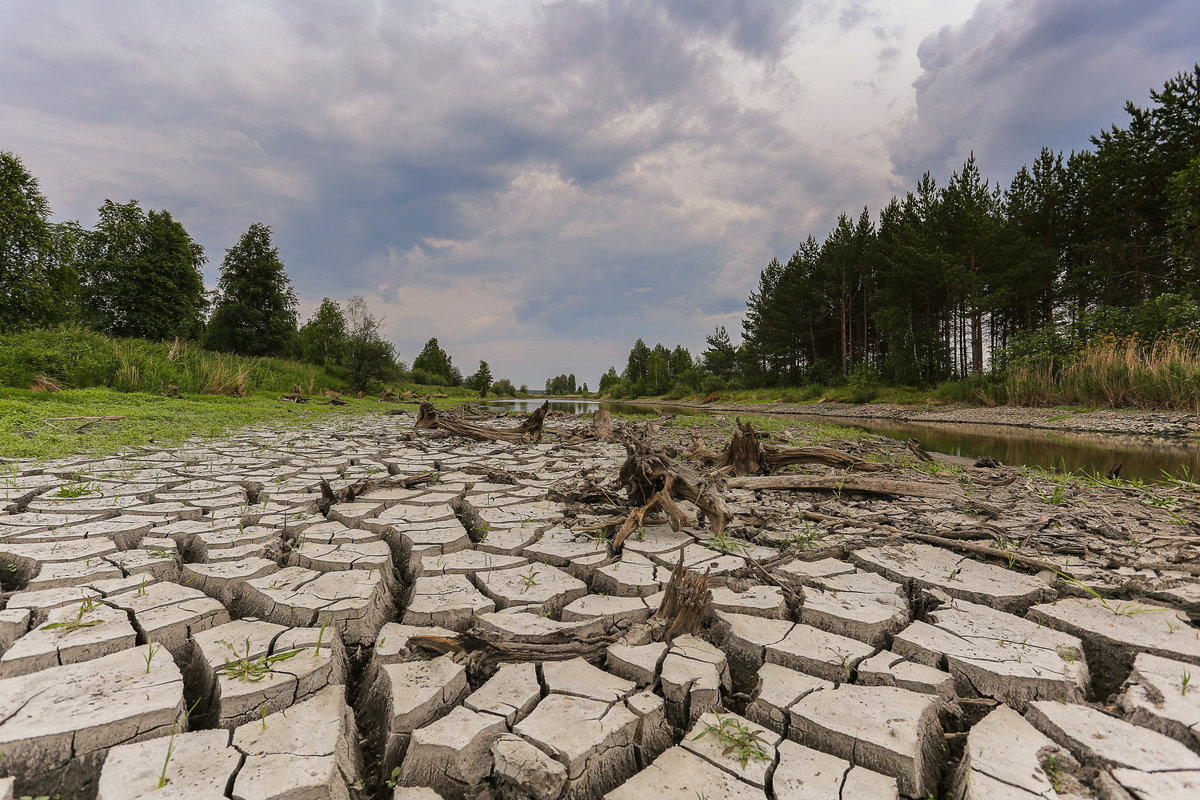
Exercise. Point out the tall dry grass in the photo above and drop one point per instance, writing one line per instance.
(79, 358)
(1120, 372)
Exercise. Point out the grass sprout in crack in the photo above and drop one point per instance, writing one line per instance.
(243, 668)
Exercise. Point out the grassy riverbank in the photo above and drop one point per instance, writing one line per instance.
(77, 358)
(1111, 372)
(33, 425)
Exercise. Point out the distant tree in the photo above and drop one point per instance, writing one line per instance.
(434, 363)
(27, 248)
(141, 275)
(636, 365)
(610, 378)
(481, 380)
(322, 339)
(524, 388)
(370, 359)
(560, 385)
(720, 358)
(504, 388)
(256, 305)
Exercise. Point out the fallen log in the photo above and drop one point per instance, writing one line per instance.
(528, 431)
(846, 483)
(779, 457)
(293, 398)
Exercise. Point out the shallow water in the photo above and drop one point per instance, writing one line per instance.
(1137, 457)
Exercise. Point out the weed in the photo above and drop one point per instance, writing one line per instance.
(243, 668)
(74, 624)
(723, 544)
(805, 538)
(1184, 681)
(844, 659)
(391, 782)
(1118, 609)
(1051, 769)
(162, 776)
(321, 636)
(741, 742)
(75, 489)
(529, 579)
(150, 652)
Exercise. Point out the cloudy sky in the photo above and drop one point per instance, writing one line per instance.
(540, 183)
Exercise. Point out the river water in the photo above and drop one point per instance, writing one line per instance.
(1137, 457)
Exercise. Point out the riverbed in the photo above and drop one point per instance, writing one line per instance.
(1151, 447)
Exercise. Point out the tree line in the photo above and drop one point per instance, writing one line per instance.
(958, 280)
(137, 273)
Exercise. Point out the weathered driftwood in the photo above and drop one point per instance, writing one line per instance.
(779, 457)
(293, 397)
(846, 483)
(685, 602)
(602, 425)
(485, 649)
(528, 431)
(915, 446)
(746, 455)
(662, 500)
(360, 487)
(645, 473)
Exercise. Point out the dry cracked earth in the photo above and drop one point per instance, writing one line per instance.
(189, 623)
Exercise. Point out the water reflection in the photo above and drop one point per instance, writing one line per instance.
(1145, 458)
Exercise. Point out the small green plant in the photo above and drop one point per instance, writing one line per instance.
(639, 534)
(75, 489)
(722, 544)
(243, 668)
(321, 635)
(77, 623)
(804, 538)
(1183, 683)
(262, 713)
(1118, 609)
(1052, 773)
(844, 660)
(150, 653)
(740, 742)
(162, 776)
(529, 579)
(391, 782)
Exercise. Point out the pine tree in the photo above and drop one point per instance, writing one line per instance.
(256, 305)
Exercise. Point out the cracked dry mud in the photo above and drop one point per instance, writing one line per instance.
(187, 623)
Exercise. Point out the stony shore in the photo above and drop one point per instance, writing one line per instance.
(361, 609)
(1132, 422)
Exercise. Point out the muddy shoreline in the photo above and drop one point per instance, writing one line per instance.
(1168, 424)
